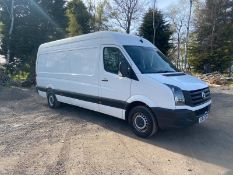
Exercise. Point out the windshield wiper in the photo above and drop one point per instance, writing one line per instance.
(165, 71)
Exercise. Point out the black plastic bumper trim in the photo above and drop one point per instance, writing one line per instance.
(90, 98)
(168, 118)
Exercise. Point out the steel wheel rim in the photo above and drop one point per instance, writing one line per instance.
(140, 122)
(51, 100)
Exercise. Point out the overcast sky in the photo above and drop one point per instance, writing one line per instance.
(163, 4)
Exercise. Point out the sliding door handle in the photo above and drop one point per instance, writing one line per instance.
(105, 80)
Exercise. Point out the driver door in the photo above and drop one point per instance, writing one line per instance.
(114, 89)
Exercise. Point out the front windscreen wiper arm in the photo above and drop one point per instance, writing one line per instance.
(164, 71)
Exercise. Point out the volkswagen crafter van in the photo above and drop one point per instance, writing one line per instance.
(124, 76)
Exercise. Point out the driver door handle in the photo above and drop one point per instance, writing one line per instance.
(105, 80)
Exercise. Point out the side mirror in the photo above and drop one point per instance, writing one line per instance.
(124, 69)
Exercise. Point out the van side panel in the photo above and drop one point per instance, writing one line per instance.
(69, 72)
(76, 102)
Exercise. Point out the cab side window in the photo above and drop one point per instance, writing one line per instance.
(112, 57)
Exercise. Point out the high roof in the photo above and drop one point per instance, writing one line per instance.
(115, 37)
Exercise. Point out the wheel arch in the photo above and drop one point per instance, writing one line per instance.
(49, 88)
(137, 101)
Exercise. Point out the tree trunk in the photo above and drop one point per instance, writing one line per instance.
(230, 69)
(128, 29)
(129, 18)
(187, 36)
(10, 33)
(178, 50)
(154, 23)
(213, 14)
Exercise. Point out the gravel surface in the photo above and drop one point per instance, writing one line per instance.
(35, 139)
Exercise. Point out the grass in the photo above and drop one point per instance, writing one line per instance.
(21, 76)
(231, 84)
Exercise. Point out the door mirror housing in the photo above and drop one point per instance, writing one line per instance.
(124, 69)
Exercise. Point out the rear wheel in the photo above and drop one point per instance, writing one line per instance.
(142, 121)
(52, 100)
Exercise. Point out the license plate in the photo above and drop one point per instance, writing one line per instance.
(203, 118)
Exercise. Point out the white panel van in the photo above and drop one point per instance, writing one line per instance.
(124, 76)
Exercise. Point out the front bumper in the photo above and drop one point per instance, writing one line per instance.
(168, 118)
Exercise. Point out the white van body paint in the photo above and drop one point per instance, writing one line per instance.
(75, 65)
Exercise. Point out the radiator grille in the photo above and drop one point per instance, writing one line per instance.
(197, 97)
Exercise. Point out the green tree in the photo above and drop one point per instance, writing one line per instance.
(35, 22)
(79, 18)
(213, 38)
(163, 32)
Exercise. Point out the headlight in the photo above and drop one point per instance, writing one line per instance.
(178, 95)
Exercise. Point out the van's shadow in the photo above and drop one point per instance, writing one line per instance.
(211, 142)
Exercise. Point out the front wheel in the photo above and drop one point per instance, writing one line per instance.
(142, 121)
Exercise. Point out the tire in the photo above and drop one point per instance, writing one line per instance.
(52, 100)
(143, 122)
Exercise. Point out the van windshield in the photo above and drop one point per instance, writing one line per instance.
(148, 60)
